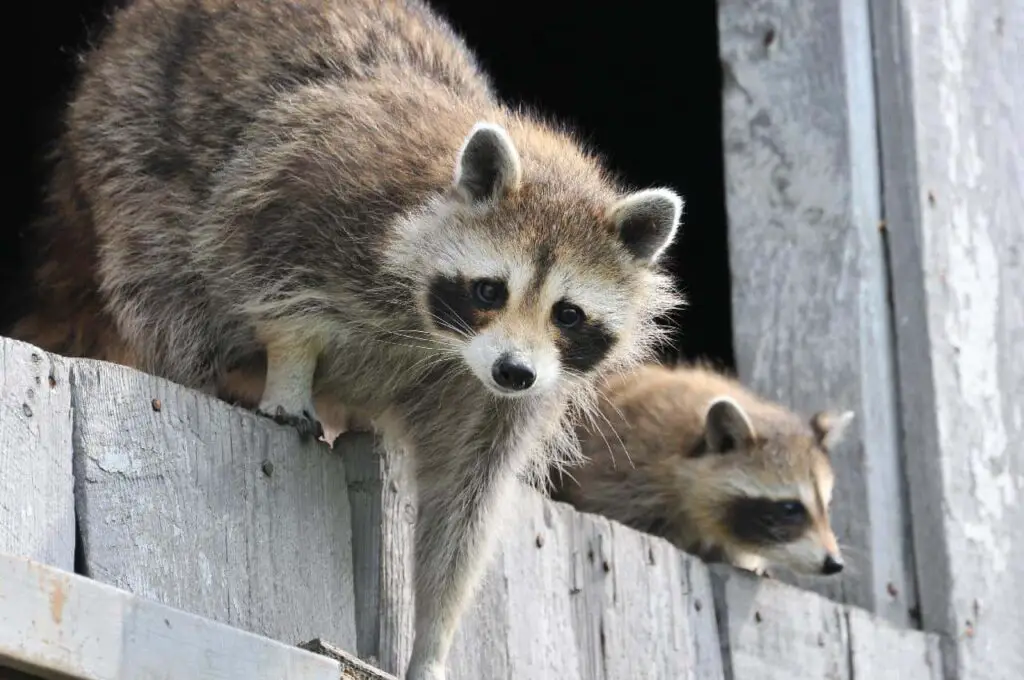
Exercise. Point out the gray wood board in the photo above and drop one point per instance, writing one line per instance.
(811, 321)
(55, 624)
(382, 497)
(188, 501)
(880, 651)
(772, 631)
(571, 595)
(950, 84)
(37, 507)
(565, 595)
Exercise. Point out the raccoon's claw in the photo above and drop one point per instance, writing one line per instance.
(305, 422)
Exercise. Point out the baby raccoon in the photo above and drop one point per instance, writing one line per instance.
(691, 455)
(318, 205)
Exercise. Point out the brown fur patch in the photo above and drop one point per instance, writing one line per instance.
(649, 466)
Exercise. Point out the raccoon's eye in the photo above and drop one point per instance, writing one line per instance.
(567, 315)
(489, 294)
(791, 510)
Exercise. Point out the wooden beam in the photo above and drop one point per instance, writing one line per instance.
(810, 313)
(57, 625)
(37, 508)
(951, 101)
(188, 501)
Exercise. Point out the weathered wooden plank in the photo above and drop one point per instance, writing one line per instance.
(571, 595)
(950, 82)
(880, 651)
(773, 631)
(190, 502)
(382, 499)
(54, 624)
(566, 596)
(352, 667)
(647, 609)
(811, 322)
(37, 510)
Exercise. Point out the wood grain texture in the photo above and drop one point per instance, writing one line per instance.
(352, 667)
(59, 625)
(571, 595)
(811, 321)
(383, 506)
(773, 631)
(950, 81)
(37, 510)
(190, 502)
(566, 596)
(880, 651)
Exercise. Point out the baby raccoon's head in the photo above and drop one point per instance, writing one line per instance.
(533, 269)
(769, 487)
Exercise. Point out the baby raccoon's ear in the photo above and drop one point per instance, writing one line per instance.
(488, 165)
(647, 222)
(830, 427)
(727, 427)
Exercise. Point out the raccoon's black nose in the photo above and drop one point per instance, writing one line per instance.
(831, 566)
(512, 374)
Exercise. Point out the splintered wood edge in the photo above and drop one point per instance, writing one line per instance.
(352, 667)
(126, 636)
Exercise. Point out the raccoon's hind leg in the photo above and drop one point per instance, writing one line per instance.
(288, 391)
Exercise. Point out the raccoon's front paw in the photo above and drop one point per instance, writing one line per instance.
(749, 562)
(305, 421)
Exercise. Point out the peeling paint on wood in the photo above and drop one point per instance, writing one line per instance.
(37, 512)
(950, 90)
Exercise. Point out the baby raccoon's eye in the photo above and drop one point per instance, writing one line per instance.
(791, 511)
(489, 293)
(566, 315)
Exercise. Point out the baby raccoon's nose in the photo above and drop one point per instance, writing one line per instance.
(512, 374)
(831, 566)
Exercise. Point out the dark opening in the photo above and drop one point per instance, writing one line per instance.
(641, 84)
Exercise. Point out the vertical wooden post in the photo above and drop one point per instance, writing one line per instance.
(383, 520)
(950, 80)
(811, 317)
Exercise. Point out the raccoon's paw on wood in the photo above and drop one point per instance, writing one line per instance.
(305, 421)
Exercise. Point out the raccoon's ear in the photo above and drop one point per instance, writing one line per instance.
(727, 426)
(647, 221)
(488, 165)
(829, 427)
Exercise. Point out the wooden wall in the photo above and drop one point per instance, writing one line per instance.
(185, 501)
(874, 172)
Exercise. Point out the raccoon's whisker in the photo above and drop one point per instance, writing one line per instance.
(423, 366)
(406, 345)
(468, 330)
(615, 432)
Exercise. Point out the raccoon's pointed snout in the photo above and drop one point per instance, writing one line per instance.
(832, 565)
(513, 374)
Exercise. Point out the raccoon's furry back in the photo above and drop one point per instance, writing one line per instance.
(162, 105)
(215, 150)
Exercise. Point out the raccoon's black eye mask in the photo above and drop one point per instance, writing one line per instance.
(762, 521)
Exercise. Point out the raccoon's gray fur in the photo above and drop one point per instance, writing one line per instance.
(317, 205)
